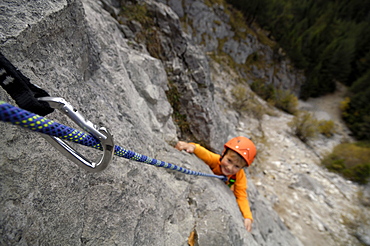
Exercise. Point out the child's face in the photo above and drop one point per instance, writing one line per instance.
(231, 164)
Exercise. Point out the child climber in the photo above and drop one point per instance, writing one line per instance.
(238, 153)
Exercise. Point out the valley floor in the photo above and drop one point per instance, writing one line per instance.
(319, 207)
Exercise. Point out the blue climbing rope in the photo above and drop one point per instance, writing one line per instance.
(37, 123)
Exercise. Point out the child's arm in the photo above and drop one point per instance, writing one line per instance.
(210, 158)
(240, 192)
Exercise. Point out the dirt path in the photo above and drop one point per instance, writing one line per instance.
(328, 108)
(330, 103)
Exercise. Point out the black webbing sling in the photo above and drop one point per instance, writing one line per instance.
(21, 89)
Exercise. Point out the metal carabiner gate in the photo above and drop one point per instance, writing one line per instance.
(106, 139)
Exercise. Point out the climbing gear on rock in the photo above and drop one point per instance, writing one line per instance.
(23, 92)
(105, 138)
(37, 123)
(244, 147)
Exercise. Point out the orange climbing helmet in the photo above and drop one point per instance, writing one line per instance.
(244, 147)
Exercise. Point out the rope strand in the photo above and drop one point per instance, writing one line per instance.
(37, 123)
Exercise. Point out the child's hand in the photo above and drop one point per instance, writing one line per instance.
(248, 224)
(185, 146)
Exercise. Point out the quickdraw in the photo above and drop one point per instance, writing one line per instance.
(102, 134)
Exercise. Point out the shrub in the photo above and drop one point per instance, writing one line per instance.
(352, 161)
(286, 101)
(240, 97)
(304, 126)
(149, 33)
(282, 99)
(326, 127)
(344, 105)
(246, 102)
(173, 97)
(138, 12)
(261, 89)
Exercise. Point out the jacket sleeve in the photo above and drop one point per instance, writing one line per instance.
(210, 158)
(240, 192)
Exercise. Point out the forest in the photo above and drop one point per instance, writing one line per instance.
(330, 41)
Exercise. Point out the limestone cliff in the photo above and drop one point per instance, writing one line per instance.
(87, 52)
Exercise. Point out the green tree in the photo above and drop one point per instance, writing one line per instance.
(329, 40)
(358, 112)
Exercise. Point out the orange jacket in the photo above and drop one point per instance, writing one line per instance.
(240, 185)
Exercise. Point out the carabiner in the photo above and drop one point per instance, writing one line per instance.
(106, 139)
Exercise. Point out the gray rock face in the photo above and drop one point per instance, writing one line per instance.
(210, 29)
(77, 51)
(239, 51)
(191, 76)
